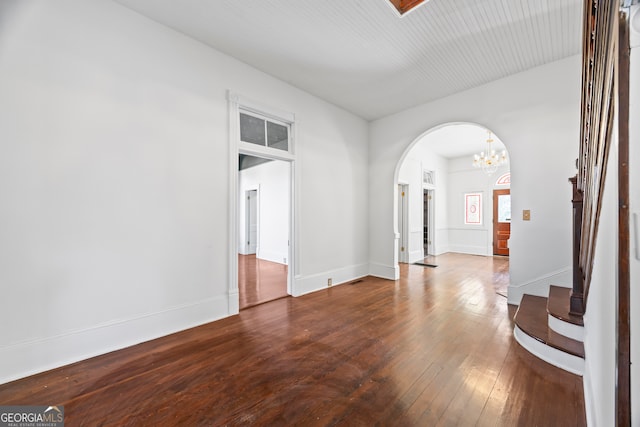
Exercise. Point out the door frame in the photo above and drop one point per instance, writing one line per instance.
(248, 223)
(430, 221)
(495, 197)
(403, 222)
(236, 147)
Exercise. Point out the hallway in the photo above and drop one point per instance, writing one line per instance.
(260, 281)
(433, 348)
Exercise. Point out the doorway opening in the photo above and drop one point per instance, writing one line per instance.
(264, 187)
(429, 222)
(403, 223)
(501, 221)
(261, 138)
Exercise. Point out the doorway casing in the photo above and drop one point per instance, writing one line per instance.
(237, 147)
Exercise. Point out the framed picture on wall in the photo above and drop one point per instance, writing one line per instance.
(473, 208)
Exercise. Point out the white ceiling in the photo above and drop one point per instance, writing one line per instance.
(458, 140)
(358, 54)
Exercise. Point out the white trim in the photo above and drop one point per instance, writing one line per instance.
(266, 152)
(560, 359)
(589, 404)
(384, 271)
(569, 330)
(470, 250)
(403, 217)
(31, 357)
(431, 221)
(236, 147)
(233, 295)
(317, 282)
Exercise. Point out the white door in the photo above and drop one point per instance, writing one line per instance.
(252, 221)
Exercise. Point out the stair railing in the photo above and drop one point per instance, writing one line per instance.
(600, 31)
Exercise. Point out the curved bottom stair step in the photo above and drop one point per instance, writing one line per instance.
(533, 333)
(559, 319)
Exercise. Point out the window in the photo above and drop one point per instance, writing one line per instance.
(473, 208)
(258, 130)
(504, 208)
(504, 179)
(428, 177)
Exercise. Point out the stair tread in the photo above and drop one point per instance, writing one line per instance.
(558, 305)
(532, 319)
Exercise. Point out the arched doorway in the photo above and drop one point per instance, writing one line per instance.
(446, 202)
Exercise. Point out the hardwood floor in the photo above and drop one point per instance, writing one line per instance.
(260, 281)
(434, 348)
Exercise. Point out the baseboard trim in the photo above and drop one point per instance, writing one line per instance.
(469, 250)
(315, 282)
(589, 404)
(32, 357)
(384, 271)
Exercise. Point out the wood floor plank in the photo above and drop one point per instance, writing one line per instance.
(433, 348)
(260, 281)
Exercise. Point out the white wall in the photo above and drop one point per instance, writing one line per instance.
(272, 180)
(600, 313)
(114, 180)
(420, 158)
(533, 112)
(464, 178)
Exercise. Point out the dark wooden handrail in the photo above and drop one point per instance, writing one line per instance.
(605, 93)
(600, 33)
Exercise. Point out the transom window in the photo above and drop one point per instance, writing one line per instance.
(264, 131)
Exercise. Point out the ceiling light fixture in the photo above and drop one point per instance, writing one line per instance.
(489, 161)
(405, 6)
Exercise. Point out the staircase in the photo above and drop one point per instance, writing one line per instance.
(546, 329)
(551, 328)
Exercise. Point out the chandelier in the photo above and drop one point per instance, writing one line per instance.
(489, 160)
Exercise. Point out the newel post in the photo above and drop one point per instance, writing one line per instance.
(576, 303)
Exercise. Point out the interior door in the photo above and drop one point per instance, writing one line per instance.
(425, 222)
(252, 221)
(501, 221)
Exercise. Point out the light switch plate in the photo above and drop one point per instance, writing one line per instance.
(526, 215)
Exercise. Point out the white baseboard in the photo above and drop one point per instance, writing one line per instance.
(315, 282)
(589, 404)
(32, 357)
(540, 285)
(441, 250)
(469, 250)
(233, 304)
(384, 271)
